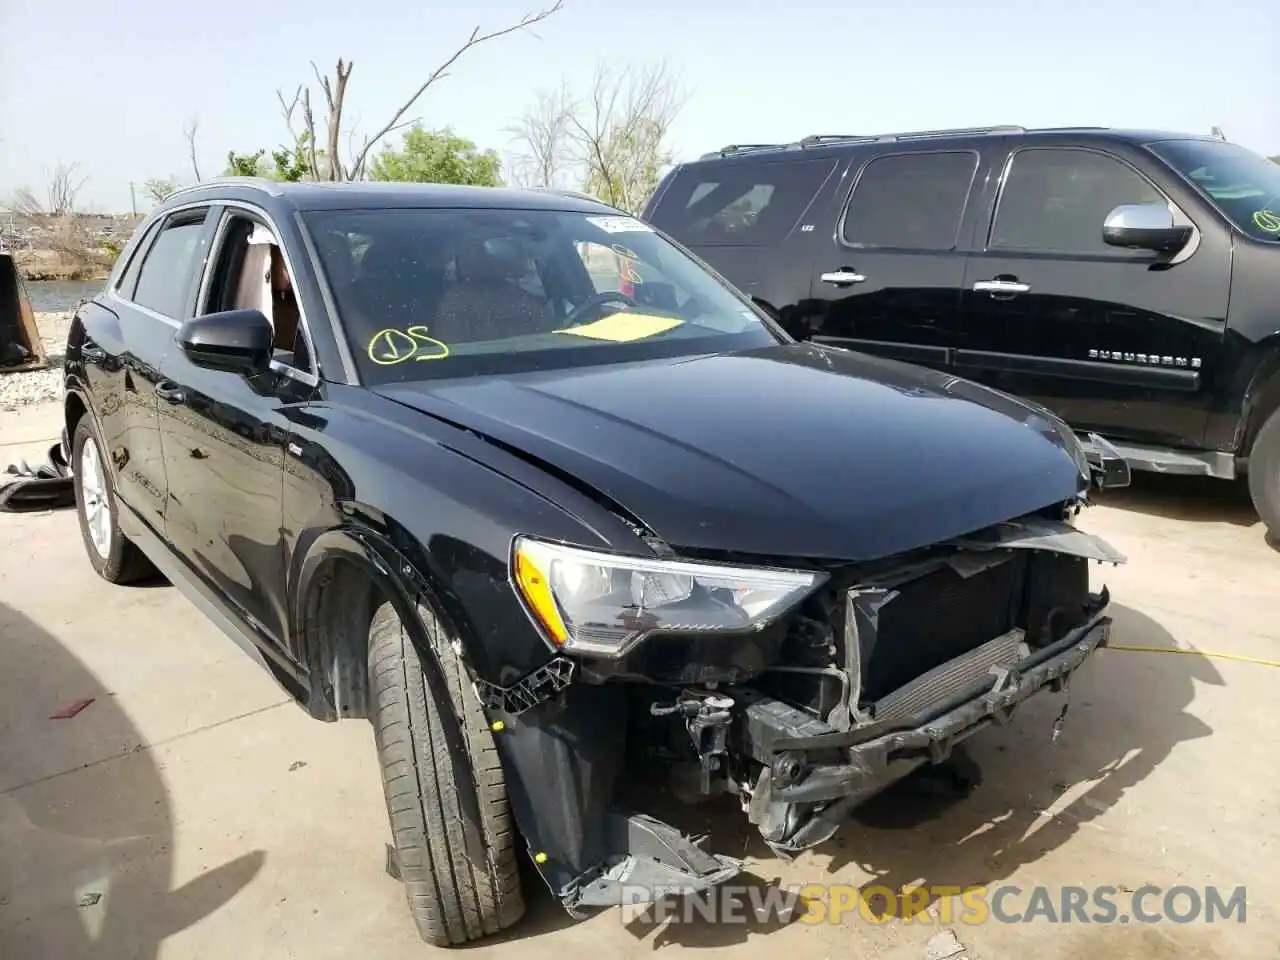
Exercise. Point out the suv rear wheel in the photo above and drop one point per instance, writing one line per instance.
(1264, 474)
(453, 899)
(113, 555)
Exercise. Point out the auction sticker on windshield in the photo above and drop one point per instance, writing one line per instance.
(624, 327)
(620, 225)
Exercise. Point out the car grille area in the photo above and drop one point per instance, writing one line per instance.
(936, 618)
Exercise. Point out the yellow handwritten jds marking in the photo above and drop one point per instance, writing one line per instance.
(1267, 220)
(392, 346)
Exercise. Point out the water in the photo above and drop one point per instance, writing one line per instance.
(60, 296)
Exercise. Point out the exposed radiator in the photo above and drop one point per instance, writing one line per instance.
(965, 675)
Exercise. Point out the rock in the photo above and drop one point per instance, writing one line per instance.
(944, 946)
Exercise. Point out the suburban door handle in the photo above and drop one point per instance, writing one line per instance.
(92, 352)
(842, 277)
(170, 392)
(1001, 286)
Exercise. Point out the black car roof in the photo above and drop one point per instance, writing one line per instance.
(834, 145)
(366, 195)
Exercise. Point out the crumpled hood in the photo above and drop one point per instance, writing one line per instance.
(794, 450)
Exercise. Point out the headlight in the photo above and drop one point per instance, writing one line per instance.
(604, 604)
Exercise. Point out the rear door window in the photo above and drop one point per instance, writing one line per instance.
(910, 201)
(745, 204)
(167, 271)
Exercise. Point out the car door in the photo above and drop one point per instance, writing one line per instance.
(124, 349)
(1121, 341)
(226, 433)
(888, 277)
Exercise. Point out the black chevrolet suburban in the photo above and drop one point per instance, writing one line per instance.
(1127, 280)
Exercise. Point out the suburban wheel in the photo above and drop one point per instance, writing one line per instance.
(112, 554)
(1264, 474)
(453, 899)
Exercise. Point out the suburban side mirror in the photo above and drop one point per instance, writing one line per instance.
(1144, 226)
(235, 341)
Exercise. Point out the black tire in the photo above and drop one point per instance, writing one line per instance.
(1264, 475)
(120, 560)
(452, 899)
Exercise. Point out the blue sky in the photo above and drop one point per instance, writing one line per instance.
(108, 85)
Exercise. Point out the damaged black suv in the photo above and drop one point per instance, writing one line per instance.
(515, 478)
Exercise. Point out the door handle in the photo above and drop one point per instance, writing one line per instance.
(92, 352)
(170, 392)
(842, 277)
(1001, 286)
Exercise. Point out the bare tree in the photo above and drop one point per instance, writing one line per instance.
(158, 188)
(189, 130)
(24, 203)
(62, 189)
(542, 142)
(325, 159)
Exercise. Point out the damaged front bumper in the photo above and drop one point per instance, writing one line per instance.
(874, 756)
(885, 673)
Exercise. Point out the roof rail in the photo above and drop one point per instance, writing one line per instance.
(825, 139)
(734, 148)
(265, 184)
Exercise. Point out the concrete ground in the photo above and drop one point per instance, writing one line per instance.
(191, 812)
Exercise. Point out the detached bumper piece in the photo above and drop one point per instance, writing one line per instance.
(814, 775)
(659, 862)
(1108, 468)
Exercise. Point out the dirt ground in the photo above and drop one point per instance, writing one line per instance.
(191, 812)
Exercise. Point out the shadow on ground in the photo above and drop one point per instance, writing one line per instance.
(87, 862)
(1128, 712)
(1199, 499)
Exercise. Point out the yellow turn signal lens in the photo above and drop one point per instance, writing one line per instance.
(537, 593)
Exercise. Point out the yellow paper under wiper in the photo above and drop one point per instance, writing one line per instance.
(624, 327)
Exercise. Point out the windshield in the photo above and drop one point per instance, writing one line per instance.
(1243, 185)
(427, 293)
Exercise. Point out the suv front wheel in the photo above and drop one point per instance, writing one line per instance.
(453, 898)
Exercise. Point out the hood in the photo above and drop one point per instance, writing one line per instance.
(795, 450)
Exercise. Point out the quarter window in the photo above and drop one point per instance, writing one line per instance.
(739, 203)
(1056, 201)
(910, 201)
(166, 274)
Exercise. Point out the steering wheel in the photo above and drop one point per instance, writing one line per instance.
(594, 303)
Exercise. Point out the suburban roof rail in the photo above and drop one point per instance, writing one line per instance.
(827, 139)
(733, 148)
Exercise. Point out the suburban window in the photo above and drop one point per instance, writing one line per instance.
(910, 201)
(166, 274)
(1239, 182)
(1057, 200)
(749, 203)
(455, 293)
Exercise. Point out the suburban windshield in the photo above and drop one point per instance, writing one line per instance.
(1243, 185)
(428, 293)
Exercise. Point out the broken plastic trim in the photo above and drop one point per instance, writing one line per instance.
(1041, 533)
(654, 860)
(535, 687)
(1107, 468)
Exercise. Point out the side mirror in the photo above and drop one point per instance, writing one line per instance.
(234, 341)
(1144, 226)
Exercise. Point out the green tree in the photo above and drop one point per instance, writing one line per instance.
(245, 164)
(438, 156)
